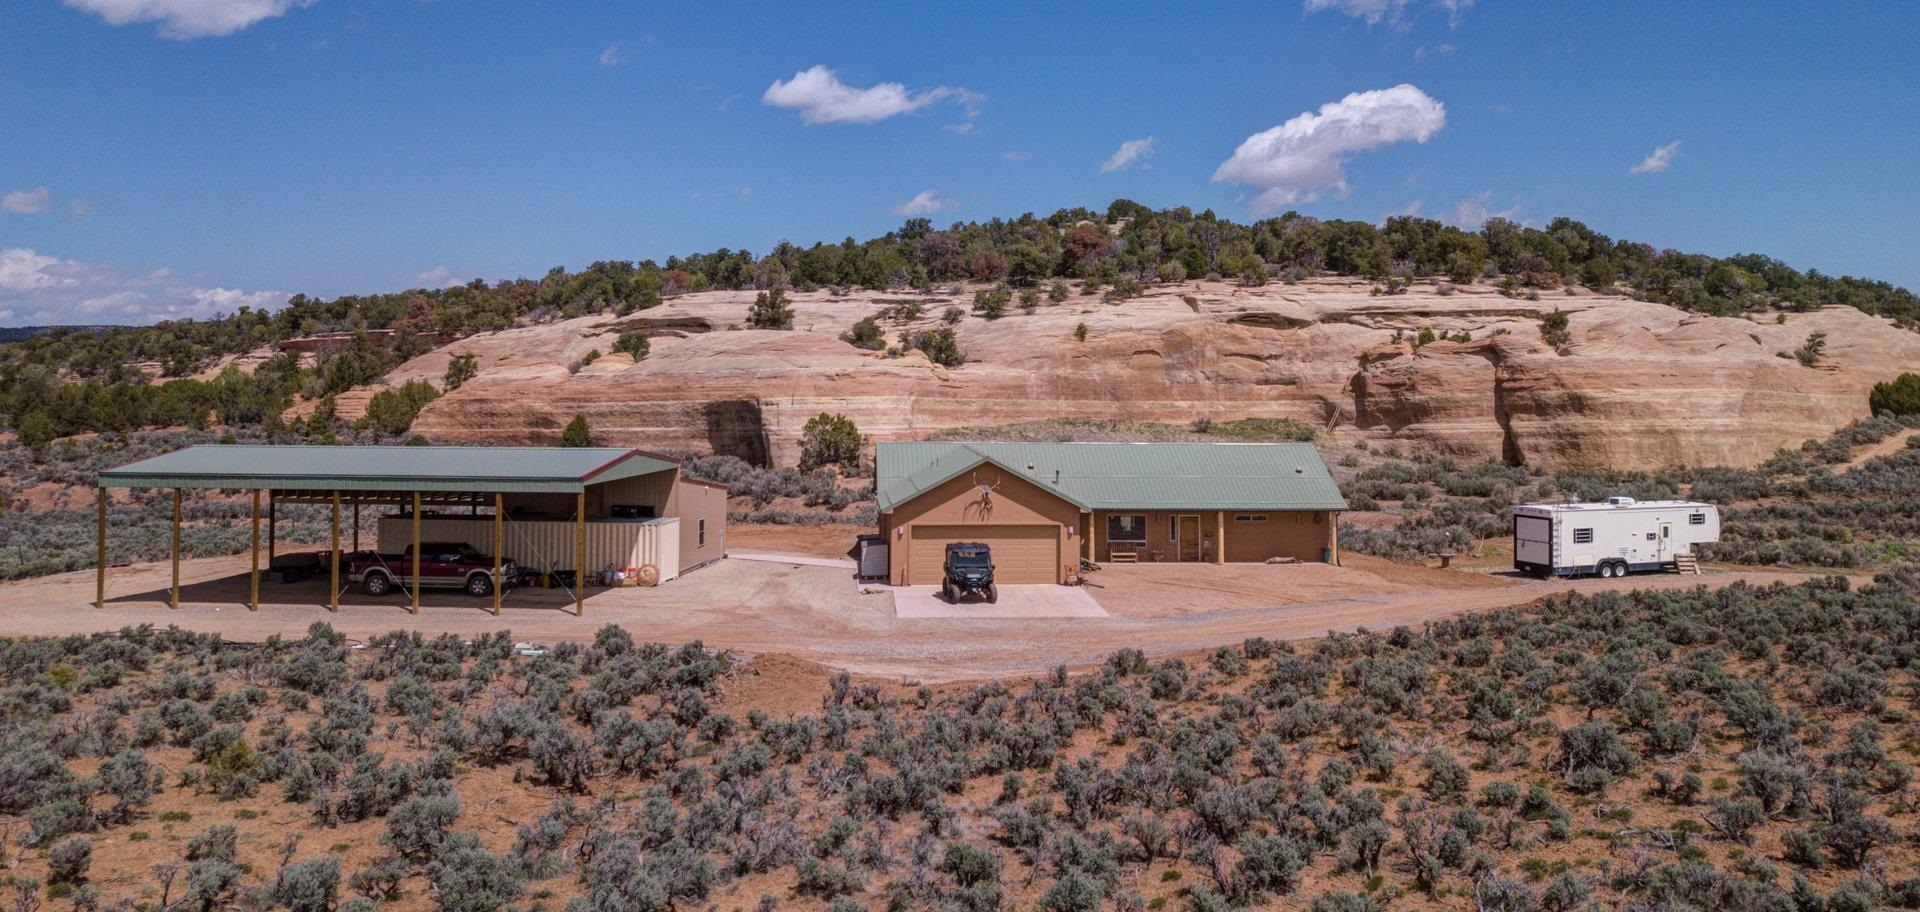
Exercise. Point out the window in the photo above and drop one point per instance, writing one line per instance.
(1250, 517)
(1583, 536)
(1697, 519)
(700, 539)
(1127, 528)
(1649, 536)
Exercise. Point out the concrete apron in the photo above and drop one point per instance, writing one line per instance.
(1015, 603)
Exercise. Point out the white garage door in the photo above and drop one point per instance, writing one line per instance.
(1021, 554)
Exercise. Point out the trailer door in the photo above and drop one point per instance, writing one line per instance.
(1533, 540)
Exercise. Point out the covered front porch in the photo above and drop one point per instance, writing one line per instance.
(1219, 536)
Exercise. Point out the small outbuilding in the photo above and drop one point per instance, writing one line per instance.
(1043, 507)
(569, 509)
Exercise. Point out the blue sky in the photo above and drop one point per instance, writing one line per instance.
(182, 157)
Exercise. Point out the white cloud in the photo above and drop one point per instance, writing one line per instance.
(820, 97)
(39, 289)
(1392, 12)
(926, 202)
(613, 56)
(438, 277)
(188, 19)
(26, 202)
(1658, 160)
(1132, 152)
(1299, 159)
(1474, 211)
(1016, 156)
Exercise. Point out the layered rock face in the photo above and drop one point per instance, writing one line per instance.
(1639, 385)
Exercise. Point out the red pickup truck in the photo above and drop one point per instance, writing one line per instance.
(443, 565)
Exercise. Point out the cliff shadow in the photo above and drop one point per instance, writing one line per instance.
(736, 427)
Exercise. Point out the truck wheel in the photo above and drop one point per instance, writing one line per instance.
(377, 584)
(479, 585)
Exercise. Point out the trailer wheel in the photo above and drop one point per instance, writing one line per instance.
(479, 585)
(377, 583)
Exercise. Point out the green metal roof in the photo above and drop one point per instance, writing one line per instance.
(544, 470)
(1124, 476)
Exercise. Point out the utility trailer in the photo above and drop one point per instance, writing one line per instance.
(1614, 538)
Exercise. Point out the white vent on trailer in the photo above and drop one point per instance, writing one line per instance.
(1620, 501)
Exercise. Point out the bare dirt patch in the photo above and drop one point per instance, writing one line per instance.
(825, 540)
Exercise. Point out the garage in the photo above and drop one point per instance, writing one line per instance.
(1021, 554)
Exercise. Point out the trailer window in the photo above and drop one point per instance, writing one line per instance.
(1649, 536)
(1127, 528)
(1697, 519)
(1583, 536)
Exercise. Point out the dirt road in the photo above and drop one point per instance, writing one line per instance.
(817, 613)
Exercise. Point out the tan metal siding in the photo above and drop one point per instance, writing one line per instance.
(695, 505)
(1022, 555)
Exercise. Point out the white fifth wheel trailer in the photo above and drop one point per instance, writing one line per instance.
(1614, 538)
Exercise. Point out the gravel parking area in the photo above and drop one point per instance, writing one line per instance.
(817, 613)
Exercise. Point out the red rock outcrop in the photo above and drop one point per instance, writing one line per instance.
(1640, 385)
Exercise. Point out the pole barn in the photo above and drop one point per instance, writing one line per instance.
(629, 505)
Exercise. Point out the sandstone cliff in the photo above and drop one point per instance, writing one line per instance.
(1639, 386)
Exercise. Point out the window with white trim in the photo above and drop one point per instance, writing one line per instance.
(1249, 517)
(1127, 528)
(1583, 536)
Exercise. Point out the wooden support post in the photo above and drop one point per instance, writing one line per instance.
(499, 543)
(100, 550)
(580, 556)
(333, 559)
(356, 522)
(175, 601)
(1220, 539)
(253, 598)
(416, 552)
(273, 527)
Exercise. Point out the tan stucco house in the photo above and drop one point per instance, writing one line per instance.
(1042, 507)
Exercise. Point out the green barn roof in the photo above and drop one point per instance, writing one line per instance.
(545, 470)
(1124, 476)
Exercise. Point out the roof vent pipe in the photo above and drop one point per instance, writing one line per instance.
(1056, 476)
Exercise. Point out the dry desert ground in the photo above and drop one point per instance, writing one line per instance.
(819, 613)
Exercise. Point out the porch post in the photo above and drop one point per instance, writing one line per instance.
(499, 534)
(356, 522)
(100, 550)
(273, 526)
(175, 603)
(333, 558)
(416, 552)
(253, 549)
(1220, 538)
(1333, 535)
(580, 555)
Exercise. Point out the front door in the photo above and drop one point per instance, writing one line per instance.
(1187, 538)
(1666, 541)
